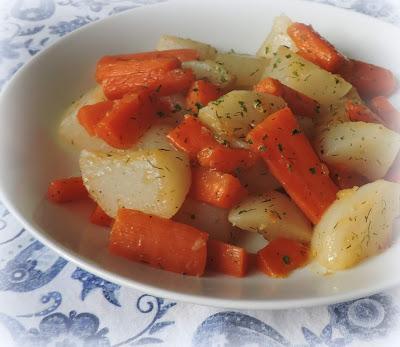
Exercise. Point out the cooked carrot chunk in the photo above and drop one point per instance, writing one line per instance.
(387, 112)
(191, 136)
(315, 48)
(90, 115)
(361, 113)
(67, 190)
(299, 103)
(294, 163)
(226, 258)
(160, 242)
(281, 256)
(216, 188)
(369, 80)
(101, 218)
(127, 121)
(226, 159)
(200, 94)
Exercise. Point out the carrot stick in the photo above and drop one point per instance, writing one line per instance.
(226, 159)
(138, 68)
(369, 80)
(127, 121)
(387, 112)
(191, 136)
(281, 256)
(216, 188)
(361, 113)
(315, 48)
(200, 94)
(226, 258)
(67, 190)
(180, 54)
(198, 142)
(159, 242)
(90, 115)
(292, 160)
(270, 86)
(299, 103)
(99, 217)
(159, 81)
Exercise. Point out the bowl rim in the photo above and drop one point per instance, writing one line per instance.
(199, 299)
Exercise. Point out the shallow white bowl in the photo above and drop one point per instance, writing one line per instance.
(30, 155)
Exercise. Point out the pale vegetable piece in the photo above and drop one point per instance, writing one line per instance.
(151, 181)
(233, 115)
(212, 71)
(248, 69)
(357, 225)
(258, 179)
(277, 37)
(272, 215)
(299, 74)
(368, 149)
(156, 138)
(72, 132)
(167, 42)
(208, 218)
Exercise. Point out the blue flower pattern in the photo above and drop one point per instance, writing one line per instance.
(29, 268)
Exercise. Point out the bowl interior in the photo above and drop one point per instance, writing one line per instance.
(31, 154)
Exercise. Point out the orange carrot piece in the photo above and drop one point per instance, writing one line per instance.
(292, 160)
(90, 115)
(180, 54)
(173, 82)
(281, 256)
(67, 190)
(387, 112)
(191, 136)
(315, 48)
(140, 69)
(198, 142)
(200, 94)
(159, 242)
(299, 103)
(369, 80)
(101, 218)
(226, 159)
(216, 188)
(270, 86)
(361, 113)
(226, 258)
(159, 81)
(127, 121)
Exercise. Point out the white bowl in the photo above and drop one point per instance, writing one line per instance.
(30, 155)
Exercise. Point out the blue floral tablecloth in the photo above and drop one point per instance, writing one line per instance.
(47, 301)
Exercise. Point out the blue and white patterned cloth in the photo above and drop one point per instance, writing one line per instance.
(47, 301)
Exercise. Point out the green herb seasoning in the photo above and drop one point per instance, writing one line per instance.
(262, 148)
(242, 106)
(296, 131)
(312, 170)
(286, 259)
